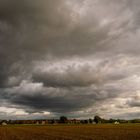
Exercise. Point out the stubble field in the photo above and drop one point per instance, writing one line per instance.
(71, 132)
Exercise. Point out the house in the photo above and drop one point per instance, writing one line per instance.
(4, 123)
(43, 122)
(116, 122)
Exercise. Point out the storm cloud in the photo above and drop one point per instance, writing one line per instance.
(70, 57)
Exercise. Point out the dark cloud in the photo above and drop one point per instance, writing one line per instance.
(69, 76)
(31, 30)
(35, 97)
(133, 101)
(69, 56)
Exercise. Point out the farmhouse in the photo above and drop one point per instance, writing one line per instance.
(3, 123)
(116, 122)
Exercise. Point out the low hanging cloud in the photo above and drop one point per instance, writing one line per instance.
(40, 98)
(69, 57)
(68, 76)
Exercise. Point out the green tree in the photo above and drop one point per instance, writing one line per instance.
(63, 119)
(90, 120)
(97, 119)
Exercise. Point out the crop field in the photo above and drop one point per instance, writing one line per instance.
(71, 132)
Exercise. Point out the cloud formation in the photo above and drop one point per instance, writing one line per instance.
(69, 57)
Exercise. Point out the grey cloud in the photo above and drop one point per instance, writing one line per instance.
(40, 102)
(132, 115)
(35, 97)
(17, 11)
(32, 30)
(103, 35)
(133, 101)
(71, 75)
(86, 73)
(70, 87)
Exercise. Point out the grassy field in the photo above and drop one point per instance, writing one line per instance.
(71, 132)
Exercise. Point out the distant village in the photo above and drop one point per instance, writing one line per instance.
(65, 120)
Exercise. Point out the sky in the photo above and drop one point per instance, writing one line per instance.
(77, 58)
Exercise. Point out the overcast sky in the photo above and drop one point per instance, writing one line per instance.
(78, 58)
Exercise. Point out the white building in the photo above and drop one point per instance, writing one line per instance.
(116, 122)
(3, 123)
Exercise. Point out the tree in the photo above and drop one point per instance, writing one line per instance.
(97, 119)
(63, 119)
(90, 120)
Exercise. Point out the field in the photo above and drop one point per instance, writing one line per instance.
(71, 132)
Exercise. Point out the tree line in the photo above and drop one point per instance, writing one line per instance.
(65, 120)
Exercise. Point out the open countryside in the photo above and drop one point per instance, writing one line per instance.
(71, 132)
(69, 69)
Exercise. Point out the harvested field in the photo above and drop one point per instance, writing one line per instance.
(71, 132)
